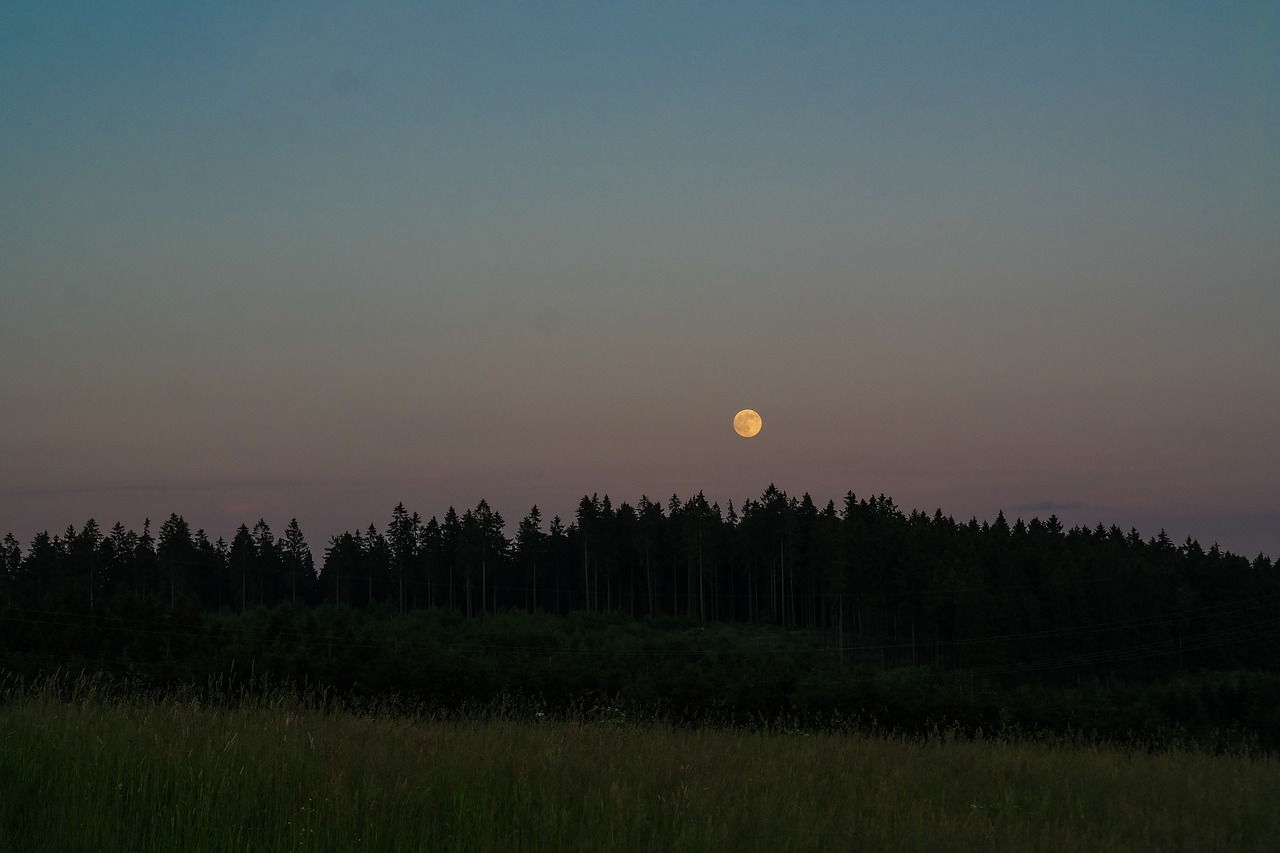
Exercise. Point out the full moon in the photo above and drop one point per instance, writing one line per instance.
(746, 423)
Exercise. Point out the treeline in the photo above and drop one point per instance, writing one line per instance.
(1030, 601)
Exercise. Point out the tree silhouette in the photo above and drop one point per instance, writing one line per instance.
(241, 560)
(175, 555)
(299, 565)
(529, 547)
(402, 538)
(1011, 599)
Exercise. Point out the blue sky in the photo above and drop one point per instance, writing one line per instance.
(315, 259)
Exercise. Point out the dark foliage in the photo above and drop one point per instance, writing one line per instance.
(776, 606)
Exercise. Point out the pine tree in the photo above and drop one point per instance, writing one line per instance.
(377, 565)
(649, 522)
(529, 553)
(84, 558)
(268, 568)
(431, 549)
(175, 555)
(403, 540)
(241, 561)
(587, 523)
(452, 546)
(118, 555)
(342, 564)
(560, 551)
(144, 562)
(208, 571)
(10, 566)
(299, 565)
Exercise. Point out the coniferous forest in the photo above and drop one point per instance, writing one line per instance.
(904, 621)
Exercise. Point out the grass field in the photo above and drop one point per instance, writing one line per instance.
(82, 768)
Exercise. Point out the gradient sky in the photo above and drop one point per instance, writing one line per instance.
(314, 259)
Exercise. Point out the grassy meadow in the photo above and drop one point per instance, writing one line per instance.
(88, 768)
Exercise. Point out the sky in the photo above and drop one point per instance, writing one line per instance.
(276, 260)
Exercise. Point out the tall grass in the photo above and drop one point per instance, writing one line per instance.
(84, 766)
